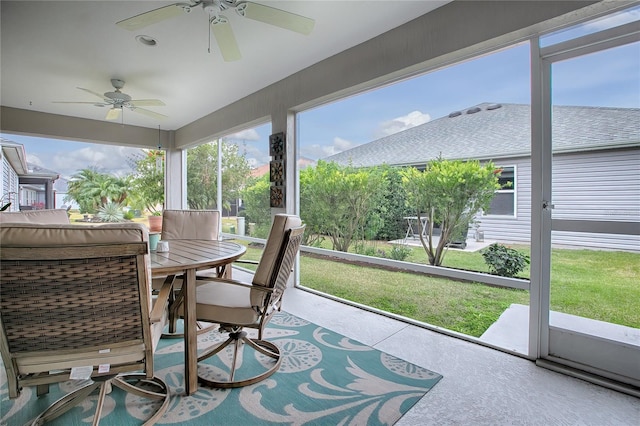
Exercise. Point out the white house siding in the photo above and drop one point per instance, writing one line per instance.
(600, 186)
(513, 229)
(597, 185)
(9, 184)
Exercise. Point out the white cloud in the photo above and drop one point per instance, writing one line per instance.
(321, 151)
(414, 118)
(256, 154)
(105, 158)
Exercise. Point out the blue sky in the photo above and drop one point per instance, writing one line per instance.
(610, 78)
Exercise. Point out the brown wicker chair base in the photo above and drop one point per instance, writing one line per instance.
(238, 337)
(127, 382)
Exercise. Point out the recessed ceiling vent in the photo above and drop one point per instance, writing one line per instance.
(493, 106)
(473, 110)
(455, 114)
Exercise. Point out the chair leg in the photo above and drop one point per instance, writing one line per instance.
(42, 389)
(140, 379)
(132, 383)
(239, 338)
(103, 393)
(65, 403)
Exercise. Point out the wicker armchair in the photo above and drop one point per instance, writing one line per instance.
(186, 225)
(73, 296)
(237, 305)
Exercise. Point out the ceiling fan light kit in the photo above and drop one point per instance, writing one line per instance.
(118, 100)
(220, 24)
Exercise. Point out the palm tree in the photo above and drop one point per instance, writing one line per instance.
(77, 190)
(92, 189)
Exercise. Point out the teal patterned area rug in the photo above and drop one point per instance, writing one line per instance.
(325, 379)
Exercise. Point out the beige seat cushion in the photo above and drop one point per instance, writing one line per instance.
(37, 235)
(281, 223)
(224, 303)
(50, 216)
(237, 304)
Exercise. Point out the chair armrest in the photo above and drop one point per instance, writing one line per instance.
(238, 283)
(162, 300)
(248, 262)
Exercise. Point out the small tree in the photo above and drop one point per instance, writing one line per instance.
(337, 200)
(450, 193)
(392, 207)
(257, 205)
(202, 175)
(148, 180)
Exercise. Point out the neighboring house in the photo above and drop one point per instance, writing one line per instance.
(25, 185)
(595, 170)
(61, 189)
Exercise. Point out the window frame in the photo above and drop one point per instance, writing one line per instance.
(513, 190)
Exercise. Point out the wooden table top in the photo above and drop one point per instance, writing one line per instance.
(194, 254)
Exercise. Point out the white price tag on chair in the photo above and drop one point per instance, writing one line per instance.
(81, 373)
(104, 368)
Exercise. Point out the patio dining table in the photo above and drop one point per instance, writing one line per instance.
(186, 257)
(413, 226)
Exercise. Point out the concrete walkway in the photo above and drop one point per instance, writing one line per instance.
(472, 245)
(511, 330)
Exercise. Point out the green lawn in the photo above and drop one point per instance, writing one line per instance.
(596, 284)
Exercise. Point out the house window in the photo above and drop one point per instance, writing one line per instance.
(504, 202)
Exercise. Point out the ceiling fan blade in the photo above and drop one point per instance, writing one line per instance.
(223, 33)
(152, 17)
(278, 17)
(146, 102)
(72, 102)
(100, 95)
(149, 113)
(113, 113)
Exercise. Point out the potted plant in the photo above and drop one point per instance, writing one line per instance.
(155, 221)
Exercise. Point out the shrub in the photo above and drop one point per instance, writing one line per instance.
(399, 252)
(366, 250)
(129, 214)
(504, 261)
(110, 212)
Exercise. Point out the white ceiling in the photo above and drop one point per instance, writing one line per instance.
(50, 48)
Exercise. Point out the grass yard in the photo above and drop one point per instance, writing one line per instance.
(603, 285)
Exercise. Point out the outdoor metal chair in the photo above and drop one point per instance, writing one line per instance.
(237, 305)
(187, 225)
(72, 297)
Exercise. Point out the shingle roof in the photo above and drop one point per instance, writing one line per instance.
(497, 131)
(34, 169)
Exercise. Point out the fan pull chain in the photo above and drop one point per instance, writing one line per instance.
(209, 32)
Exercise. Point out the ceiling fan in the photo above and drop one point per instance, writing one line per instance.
(118, 100)
(220, 26)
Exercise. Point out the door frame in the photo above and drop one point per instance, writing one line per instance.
(541, 332)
